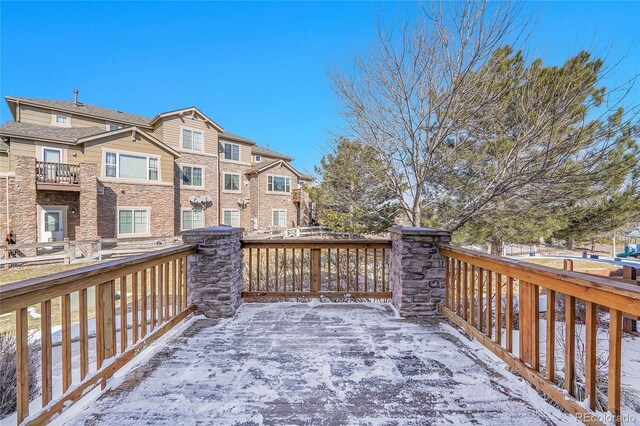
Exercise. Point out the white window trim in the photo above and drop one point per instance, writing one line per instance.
(41, 148)
(190, 209)
(230, 191)
(224, 150)
(279, 192)
(147, 209)
(231, 210)
(117, 178)
(191, 129)
(285, 218)
(200, 166)
(257, 158)
(55, 123)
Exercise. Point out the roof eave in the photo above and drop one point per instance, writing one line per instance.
(192, 108)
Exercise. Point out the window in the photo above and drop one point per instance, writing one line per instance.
(191, 176)
(231, 218)
(231, 182)
(232, 151)
(279, 218)
(111, 126)
(192, 219)
(258, 158)
(50, 155)
(60, 120)
(192, 140)
(133, 222)
(111, 168)
(129, 166)
(52, 221)
(153, 169)
(278, 184)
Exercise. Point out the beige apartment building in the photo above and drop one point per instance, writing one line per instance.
(78, 171)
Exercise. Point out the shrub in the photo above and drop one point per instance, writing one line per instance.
(8, 377)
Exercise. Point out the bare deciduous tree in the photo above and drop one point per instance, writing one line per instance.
(470, 128)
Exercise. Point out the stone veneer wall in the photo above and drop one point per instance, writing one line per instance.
(158, 198)
(215, 279)
(23, 201)
(88, 227)
(182, 193)
(3, 204)
(416, 274)
(229, 200)
(266, 202)
(71, 199)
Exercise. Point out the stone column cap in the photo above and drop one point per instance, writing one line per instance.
(415, 230)
(213, 230)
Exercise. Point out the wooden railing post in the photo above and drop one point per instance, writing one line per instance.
(315, 270)
(105, 327)
(629, 325)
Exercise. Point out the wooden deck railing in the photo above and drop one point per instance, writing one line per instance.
(152, 299)
(490, 297)
(57, 173)
(313, 268)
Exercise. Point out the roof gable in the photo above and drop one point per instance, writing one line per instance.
(193, 111)
(134, 131)
(264, 167)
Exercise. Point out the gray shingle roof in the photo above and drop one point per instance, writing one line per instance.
(307, 177)
(38, 131)
(260, 150)
(82, 108)
(233, 137)
(261, 166)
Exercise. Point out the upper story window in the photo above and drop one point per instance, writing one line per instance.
(278, 184)
(60, 120)
(231, 182)
(111, 126)
(192, 140)
(231, 151)
(191, 176)
(192, 219)
(129, 166)
(257, 158)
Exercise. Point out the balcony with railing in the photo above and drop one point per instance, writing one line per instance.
(57, 176)
(315, 331)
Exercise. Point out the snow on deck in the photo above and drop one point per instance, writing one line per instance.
(318, 363)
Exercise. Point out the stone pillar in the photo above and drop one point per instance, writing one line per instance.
(416, 274)
(88, 202)
(22, 203)
(215, 278)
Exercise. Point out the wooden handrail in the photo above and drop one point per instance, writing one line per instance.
(474, 284)
(309, 243)
(24, 293)
(316, 268)
(152, 298)
(602, 291)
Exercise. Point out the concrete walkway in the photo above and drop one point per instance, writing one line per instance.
(316, 363)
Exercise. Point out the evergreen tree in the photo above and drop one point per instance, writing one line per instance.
(350, 198)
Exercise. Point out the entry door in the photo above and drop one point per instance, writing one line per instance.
(51, 225)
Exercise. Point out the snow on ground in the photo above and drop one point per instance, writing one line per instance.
(298, 363)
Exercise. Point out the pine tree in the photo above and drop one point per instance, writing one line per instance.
(349, 198)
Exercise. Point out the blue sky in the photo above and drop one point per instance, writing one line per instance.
(258, 69)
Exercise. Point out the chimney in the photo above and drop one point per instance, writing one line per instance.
(75, 96)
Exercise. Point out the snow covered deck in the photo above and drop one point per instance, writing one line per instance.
(317, 363)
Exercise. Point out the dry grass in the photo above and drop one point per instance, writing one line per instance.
(25, 272)
(577, 263)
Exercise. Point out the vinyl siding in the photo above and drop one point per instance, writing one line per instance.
(42, 116)
(4, 162)
(171, 133)
(29, 148)
(93, 152)
(245, 151)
